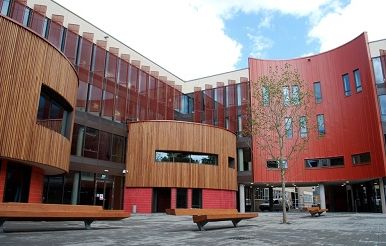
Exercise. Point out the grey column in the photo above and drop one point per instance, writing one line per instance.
(382, 189)
(79, 141)
(242, 198)
(75, 189)
(322, 196)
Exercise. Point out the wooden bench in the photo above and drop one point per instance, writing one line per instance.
(202, 216)
(57, 212)
(199, 211)
(316, 210)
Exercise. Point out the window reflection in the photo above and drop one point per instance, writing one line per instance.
(186, 157)
(377, 65)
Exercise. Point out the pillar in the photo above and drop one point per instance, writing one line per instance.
(75, 189)
(189, 198)
(3, 175)
(242, 198)
(322, 196)
(36, 185)
(173, 200)
(241, 159)
(382, 189)
(79, 141)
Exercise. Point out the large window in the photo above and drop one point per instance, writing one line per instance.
(324, 162)
(295, 94)
(286, 95)
(317, 92)
(358, 82)
(382, 104)
(303, 126)
(288, 127)
(346, 84)
(361, 158)
(185, 157)
(54, 111)
(321, 126)
(275, 164)
(265, 93)
(377, 66)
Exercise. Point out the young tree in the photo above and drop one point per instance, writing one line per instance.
(279, 117)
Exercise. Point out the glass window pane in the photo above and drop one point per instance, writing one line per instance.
(295, 94)
(288, 127)
(265, 96)
(286, 95)
(382, 103)
(91, 143)
(321, 126)
(118, 149)
(317, 92)
(377, 66)
(303, 126)
(358, 82)
(104, 152)
(346, 84)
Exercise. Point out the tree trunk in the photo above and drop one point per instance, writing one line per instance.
(283, 198)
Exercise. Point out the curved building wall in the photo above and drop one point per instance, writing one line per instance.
(145, 138)
(352, 122)
(28, 62)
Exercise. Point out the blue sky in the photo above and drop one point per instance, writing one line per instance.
(198, 38)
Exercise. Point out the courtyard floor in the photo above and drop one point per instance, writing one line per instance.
(161, 229)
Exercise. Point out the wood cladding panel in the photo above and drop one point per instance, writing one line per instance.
(352, 122)
(26, 62)
(144, 138)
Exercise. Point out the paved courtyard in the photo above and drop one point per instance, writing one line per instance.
(160, 229)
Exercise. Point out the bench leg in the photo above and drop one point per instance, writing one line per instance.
(235, 222)
(200, 225)
(1, 225)
(87, 224)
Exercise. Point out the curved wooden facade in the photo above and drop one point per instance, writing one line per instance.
(26, 62)
(352, 122)
(148, 136)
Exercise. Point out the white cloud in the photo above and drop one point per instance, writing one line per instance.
(260, 45)
(185, 36)
(343, 24)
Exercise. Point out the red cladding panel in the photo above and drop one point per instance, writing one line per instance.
(218, 198)
(197, 105)
(220, 106)
(71, 46)
(173, 199)
(36, 185)
(209, 106)
(55, 34)
(37, 22)
(3, 172)
(17, 11)
(189, 198)
(352, 122)
(141, 197)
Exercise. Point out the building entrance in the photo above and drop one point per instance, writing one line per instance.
(17, 182)
(161, 199)
(103, 195)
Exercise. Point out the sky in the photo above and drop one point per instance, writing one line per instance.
(198, 38)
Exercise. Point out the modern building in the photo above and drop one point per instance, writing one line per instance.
(85, 119)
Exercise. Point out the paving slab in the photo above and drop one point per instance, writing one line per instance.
(161, 229)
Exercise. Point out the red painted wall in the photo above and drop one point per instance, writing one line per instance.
(3, 172)
(142, 197)
(352, 122)
(218, 198)
(173, 199)
(189, 198)
(36, 185)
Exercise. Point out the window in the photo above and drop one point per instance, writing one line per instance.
(382, 104)
(358, 82)
(26, 17)
(295, 94)
(321, 126)
(5, 7)
(346, 84)
(324, 162)
(361, 158)
(286, 95)
(186, 157)
(377, 66)
(275, 164)
(54, 111)
(303, 126)
(288, 127)
(238, 94)
(317, 92)
(265, 96)
(231, 162)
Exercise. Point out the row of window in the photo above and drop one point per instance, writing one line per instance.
(97, 144)
(362, 158)
(288, 124)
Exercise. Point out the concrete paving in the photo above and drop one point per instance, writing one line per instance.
(160, 229)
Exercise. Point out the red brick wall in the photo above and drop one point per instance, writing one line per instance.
(36, 185)
(142, 197)
(3, 172)
(173, 199)
(218, 198)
